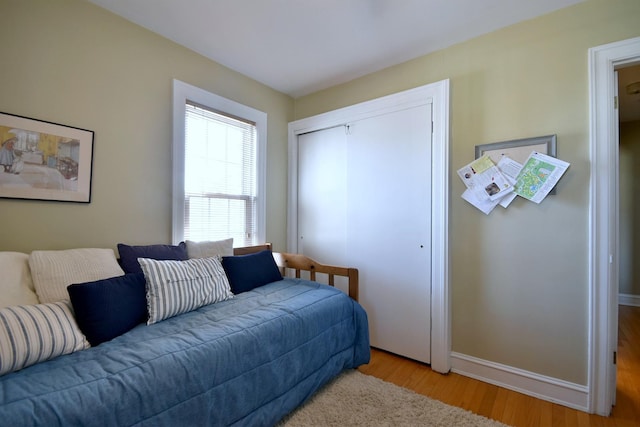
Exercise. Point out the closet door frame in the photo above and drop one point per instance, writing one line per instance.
(436, 94)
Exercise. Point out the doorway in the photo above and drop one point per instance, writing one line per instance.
(628, 360)
(604, 219)
(629, 186)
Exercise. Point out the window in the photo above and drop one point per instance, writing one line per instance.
(219, 156)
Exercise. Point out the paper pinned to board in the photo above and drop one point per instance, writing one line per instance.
(484, 178)
(539, 174)
(532, 181)
(511, 169)
(484, 205)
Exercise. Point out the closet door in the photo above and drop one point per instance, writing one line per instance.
(364, 201)
(322, 192)
(388, 226)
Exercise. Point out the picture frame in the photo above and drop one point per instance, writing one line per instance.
(518, 149)
(41, 160)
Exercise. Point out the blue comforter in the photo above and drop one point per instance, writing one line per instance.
(247, 361)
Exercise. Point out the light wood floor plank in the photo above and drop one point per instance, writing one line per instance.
(514, 408)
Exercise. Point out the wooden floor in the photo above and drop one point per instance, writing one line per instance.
(517, 409)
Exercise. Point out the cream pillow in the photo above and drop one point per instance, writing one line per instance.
(210, 248)
(16, 286)
(53, 271)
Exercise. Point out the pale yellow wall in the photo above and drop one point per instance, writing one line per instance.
(71, 62)
(630, 208)
(519, 278)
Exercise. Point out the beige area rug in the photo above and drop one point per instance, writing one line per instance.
(356, 399)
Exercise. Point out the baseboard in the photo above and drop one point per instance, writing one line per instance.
(629, 299)
(542, 387)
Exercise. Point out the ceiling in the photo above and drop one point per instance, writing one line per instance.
(301, 46)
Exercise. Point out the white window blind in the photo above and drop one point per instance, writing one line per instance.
(219, 177)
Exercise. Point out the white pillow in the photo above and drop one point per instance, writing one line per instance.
(53, 271)
(176, 287)
(34, 333)
(210, 248)
(16, 286)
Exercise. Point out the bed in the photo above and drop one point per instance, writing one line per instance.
(245, 361)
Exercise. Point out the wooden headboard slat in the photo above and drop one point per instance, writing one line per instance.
(252, 249)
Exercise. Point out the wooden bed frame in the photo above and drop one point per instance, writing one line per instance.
(296, 263)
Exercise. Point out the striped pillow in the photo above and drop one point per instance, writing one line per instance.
(176, 287)
(34, 333)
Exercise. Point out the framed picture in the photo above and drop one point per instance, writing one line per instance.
(518, 149)
(44, 161)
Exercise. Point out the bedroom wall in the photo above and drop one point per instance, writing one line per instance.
(629, 208)
(73, 63)
(519, 277)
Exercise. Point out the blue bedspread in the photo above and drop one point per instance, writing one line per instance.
(247, 361)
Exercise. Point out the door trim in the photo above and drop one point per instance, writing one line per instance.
(603, 219)
(438, 95)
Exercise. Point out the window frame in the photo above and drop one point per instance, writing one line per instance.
(184, 92)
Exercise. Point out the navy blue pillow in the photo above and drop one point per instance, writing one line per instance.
(129, 254)
(246, 272)
(107, 308)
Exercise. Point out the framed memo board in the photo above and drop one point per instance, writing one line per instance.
(518, 149)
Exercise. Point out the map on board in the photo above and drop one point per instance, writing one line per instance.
(538, 176)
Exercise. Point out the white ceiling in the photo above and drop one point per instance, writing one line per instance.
(301, 46)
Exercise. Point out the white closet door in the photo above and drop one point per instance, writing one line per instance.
(322, 192)
(388, 227)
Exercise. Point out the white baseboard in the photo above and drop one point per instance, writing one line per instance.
(542, 387)
(629, 299)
